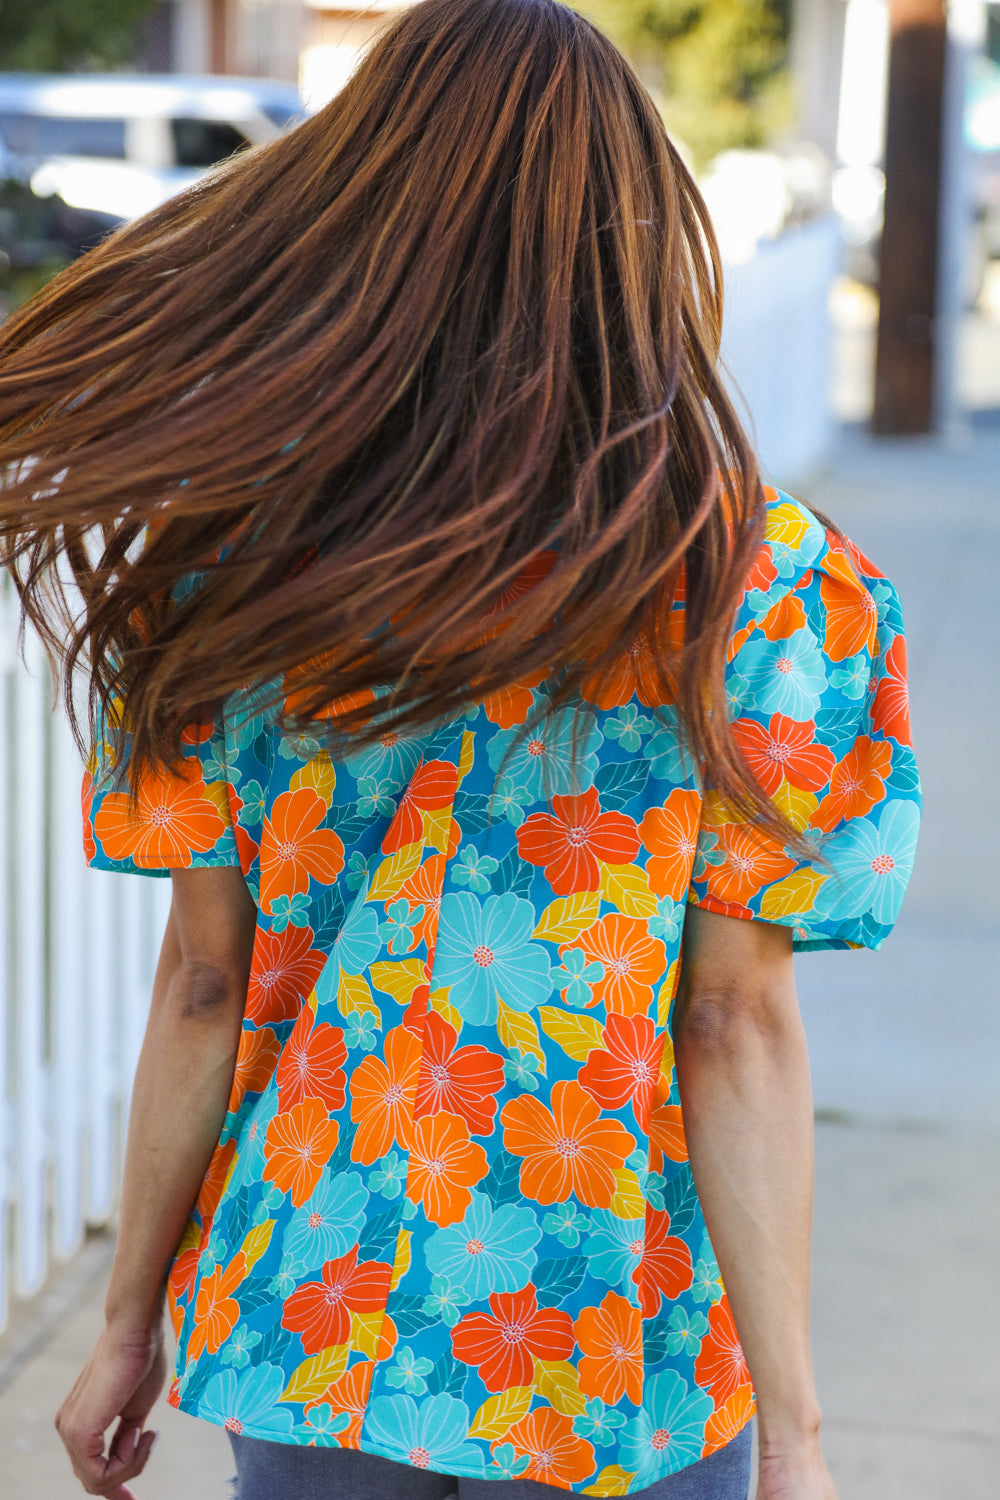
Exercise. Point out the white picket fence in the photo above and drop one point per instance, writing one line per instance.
(77, 948)
(77, 951)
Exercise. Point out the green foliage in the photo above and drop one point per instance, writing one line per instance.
(53, 35)
(715, 66)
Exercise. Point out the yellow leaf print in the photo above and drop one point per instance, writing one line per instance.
(399, 979)
(667, 991)
(401, 1263)
(558, 1381)
(628, 1202)
(565, 919)
(467, 755)
(257, 1241)
(311, 1378)
(786, 524)
(797, 806)
(393, 873)
(373, 1334)
(519, 1033)
(353, 994)
(439, 1002)
(626, 887)
(217, 793)
(318, 775)
(437, 827)
(612, 1480)
(497, 1415)
(792, 896)
(578, 1036)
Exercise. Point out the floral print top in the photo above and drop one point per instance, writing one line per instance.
(451, 1219)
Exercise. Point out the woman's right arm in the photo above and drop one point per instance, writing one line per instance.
(743, 1073)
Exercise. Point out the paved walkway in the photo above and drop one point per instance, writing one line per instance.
(905, 1056)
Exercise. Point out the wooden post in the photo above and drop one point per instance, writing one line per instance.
(905, 366)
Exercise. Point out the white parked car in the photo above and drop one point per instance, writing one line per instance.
(121, 145)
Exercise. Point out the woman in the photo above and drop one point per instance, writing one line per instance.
(449, 655)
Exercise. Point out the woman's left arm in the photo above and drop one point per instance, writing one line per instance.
(179, 1102)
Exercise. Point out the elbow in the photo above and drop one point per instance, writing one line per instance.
(201, 992)
(733, 1017)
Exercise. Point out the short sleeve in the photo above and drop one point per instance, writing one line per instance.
(817, 696)
(178, 819)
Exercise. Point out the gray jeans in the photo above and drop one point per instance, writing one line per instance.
(285, 1471)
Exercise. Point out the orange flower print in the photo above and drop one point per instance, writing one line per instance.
(431, 787)
(256, 1061)
(216, 1312)
(637, 674)
(763, 571)
(851, 612)
(444, 1166)
(172, 819)
(633, 962)
(298, 1145)
(570, 843)
(785, 750)
(461, 1081)
(856, 783)
(670, 834)
(320, 1311)
(348, 1394)
(721, 1366)
(665, 1269)
(558, 1456)
(610, 1337)
(752, 861)
(666, 1135)
(311, 1064)
(784, 619)
(504, 1343)
(294, 847)
(86, 805)
(568, 1150)
(214, 1183)
(729, 1419)
(512, 705)
(891, 711)
(382, 1094)
(283, 973)
(424, 889)
(626, 1068)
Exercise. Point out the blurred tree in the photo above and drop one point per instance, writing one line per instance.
(54, 35)
(716, 67)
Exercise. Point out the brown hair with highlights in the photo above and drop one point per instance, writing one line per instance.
(465, 317)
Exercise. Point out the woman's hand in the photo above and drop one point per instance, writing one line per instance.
(794, 1471)
(122, 1379)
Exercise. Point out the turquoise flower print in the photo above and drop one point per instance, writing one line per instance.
(328, 1223)
(223, 763)
(484, 951)
(706, 1284)
(669, 1432)
(521, 1068)
(254, 804)
(304, 746)
(575, 978)
(391, 761)
(390, 1176)
(551, 758)
(474, 869)
(409, 1372)
(361, 1030)
(668, 757)
(628, 728)
(871, 865)
(430, 1434)
(375, 798)
(510, 800)
(853, 677)
(567, 1223)
(739, 695)
(445, 1301)
(614, 1250)
(397, 929)
(787, 677)
(322, 1425)
(236, 1350)
(289, 1275)
(651, 1184)
(249, 713)
(357, 871)
(790, 559)
(491, 1250)
(668, 921)
(687, 1332)
(357, 944)
(708, 853)
(287, 910)
(507, 1462)
(248, 1402)
(253, 1128)
(598, 1423)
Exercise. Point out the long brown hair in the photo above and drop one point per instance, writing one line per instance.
(465, 317)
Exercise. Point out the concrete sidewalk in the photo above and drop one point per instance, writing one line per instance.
(906, 1060)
